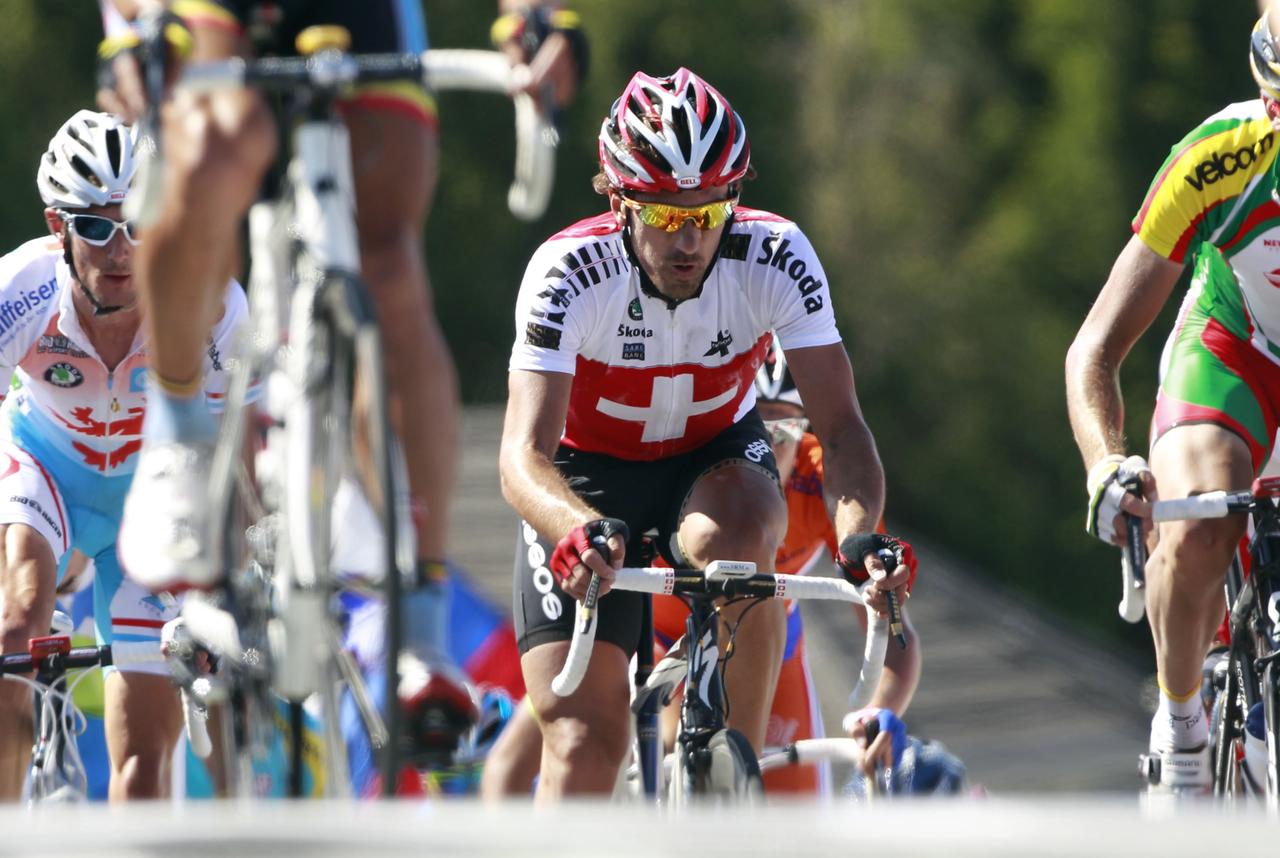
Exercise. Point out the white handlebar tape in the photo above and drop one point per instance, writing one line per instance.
(1207, 505)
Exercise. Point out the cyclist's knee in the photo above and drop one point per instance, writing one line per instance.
(391, 257)
(143, 774)
(1199, 549)
(26, 594)
(598, 744)
(733, 512)
(751, 532)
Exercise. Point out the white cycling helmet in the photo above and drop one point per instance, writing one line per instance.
(773, 379)
(90, 162)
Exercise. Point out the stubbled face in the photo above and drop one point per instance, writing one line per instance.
(784, 449)
(676, 261)
(106, 271)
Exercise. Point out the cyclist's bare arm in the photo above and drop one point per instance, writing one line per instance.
(1139, 285)
(554, 64)
(537, 404)
(854, 477)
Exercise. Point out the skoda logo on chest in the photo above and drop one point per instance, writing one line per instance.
(63, 374)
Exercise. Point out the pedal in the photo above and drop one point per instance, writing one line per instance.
(1185, 772)
(1149, 769)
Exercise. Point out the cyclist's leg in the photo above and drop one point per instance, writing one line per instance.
(1215, 418)
(585, 736)
(216, 148)
(142, 714)
(143, 721)
(514, 760)
(393, 149)
(394, 156)
(28, 573)
(795, 715)
(34, 533)
(734, 510)
(1186, 570)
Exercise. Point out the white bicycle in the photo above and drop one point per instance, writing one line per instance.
(315, 340)
(56, 772)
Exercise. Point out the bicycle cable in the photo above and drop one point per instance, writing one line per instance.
(730, 650)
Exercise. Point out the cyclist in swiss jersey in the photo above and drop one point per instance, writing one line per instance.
(70, 334)
(1212, 207)
(631, 406)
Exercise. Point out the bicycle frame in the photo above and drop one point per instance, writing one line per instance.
(702, 711)
(332, 333)
(56, 770)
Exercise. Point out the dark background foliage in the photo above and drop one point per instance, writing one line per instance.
(966, 168)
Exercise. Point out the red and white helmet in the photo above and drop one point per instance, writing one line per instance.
(673, 133)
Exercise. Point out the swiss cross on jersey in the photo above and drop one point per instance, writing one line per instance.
(652, 379)
(658, 411)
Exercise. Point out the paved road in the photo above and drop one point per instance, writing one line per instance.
(279, 829)
(1028, 705)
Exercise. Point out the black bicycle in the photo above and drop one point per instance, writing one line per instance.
(1244, 682)
(710, 759)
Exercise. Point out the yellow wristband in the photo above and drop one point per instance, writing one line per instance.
(112, 45)
(528, 702)
(179, 388)
(505, 28)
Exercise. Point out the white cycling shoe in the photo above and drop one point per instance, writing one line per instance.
(1179, 759)
(162, 541)
(1180, 771)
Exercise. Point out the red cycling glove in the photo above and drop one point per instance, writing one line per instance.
(855, 548)
(592, 534)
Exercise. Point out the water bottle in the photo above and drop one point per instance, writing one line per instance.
(1255, 748)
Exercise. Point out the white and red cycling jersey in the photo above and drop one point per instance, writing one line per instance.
(67, 400)
(653, 379)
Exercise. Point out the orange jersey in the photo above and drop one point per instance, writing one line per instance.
(809, 527)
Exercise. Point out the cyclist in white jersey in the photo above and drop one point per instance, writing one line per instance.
(69, 436)
(631, 406)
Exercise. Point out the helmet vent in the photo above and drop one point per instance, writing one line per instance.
(682, 132)
(113, 150)
(85, 171)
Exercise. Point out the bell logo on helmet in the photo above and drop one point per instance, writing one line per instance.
(687, 181)
(118, 196)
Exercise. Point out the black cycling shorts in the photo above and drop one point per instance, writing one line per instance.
(647, 496)
(375, 25)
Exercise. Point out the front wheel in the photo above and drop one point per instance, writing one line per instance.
(731, 773)
(1226, 727)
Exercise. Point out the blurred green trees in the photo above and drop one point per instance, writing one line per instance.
(966, 168)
